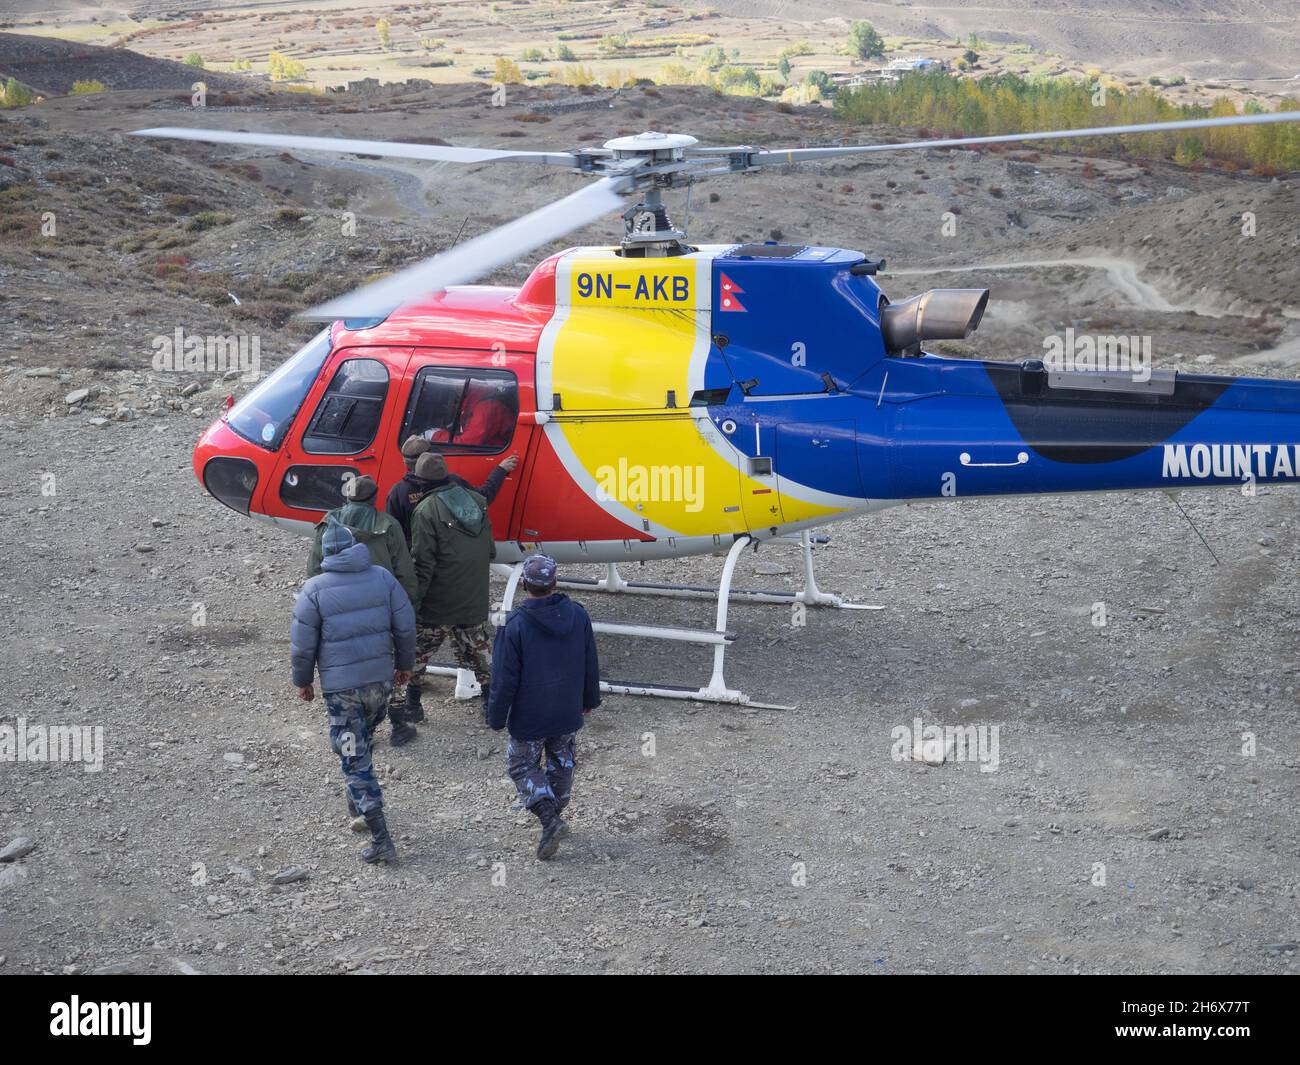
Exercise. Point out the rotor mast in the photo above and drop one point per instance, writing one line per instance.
(657, 161)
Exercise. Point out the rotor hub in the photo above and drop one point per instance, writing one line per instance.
(657, 147)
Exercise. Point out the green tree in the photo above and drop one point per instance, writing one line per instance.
(1189, 151)
(564, 53)
(194, 60)
(16, 94)
(822, 81)
(864, 41)
(384, 29)
(740, 81)
(783, 65)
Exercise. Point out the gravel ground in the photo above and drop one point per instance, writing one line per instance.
(1119, 745)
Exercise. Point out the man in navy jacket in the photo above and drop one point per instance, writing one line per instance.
(545, 678)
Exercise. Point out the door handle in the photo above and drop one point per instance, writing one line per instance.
(1021, 459)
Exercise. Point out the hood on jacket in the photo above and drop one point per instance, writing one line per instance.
(556, 614)
(352, 559)
(464, 508)
(357, 516)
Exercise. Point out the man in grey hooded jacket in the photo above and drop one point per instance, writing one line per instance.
(354, 623)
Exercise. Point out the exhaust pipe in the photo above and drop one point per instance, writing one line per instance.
(940, 314)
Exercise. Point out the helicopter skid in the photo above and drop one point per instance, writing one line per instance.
(810, 595)
(719, 637)
(699, 695)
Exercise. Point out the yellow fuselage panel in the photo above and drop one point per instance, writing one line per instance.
(630, 332)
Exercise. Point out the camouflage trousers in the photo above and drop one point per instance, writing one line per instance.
(471, 646)
(536, 782)
(354, 715)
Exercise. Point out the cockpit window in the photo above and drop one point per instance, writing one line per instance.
(265, 414)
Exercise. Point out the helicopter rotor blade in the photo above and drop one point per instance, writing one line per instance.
(471, 260)
(759, 157)
(348, 146)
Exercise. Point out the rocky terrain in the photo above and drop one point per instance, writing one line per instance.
(1124, 829)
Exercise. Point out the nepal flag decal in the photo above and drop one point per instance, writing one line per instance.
(727, 291)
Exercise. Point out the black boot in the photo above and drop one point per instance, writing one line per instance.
(402, 732)
(382, 849)
(414, 707)
(487, 696)
(550, 818)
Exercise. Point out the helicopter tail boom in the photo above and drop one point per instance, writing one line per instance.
(1017, 428)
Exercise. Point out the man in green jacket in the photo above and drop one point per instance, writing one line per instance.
(386, 543)
(452, 547)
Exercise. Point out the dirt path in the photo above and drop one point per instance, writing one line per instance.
(1123, 275)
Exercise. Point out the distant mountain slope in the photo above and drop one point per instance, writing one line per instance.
(1198, 38)
(51, 66)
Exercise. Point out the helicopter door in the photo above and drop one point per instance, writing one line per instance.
(337, 432)
(471, 415)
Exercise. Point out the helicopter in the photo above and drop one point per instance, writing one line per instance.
(669, 400)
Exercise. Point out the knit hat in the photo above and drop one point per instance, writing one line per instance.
(359, 489)
(431, 466)
(337, 538)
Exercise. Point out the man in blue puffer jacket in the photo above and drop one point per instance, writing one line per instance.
(355, 624)
(545, 677)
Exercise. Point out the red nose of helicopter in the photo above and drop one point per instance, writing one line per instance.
(230, 468)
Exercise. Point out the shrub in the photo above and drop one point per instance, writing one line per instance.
(283, 68)
(86, 88)
(16, 94)
(507, 72)
(208, 220)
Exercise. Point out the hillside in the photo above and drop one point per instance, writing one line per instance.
(50, 65)
(1239, 39)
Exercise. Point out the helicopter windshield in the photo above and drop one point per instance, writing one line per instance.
(265, 414)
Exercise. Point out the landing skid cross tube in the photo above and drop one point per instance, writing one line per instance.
(809, 595)
(719, 637)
